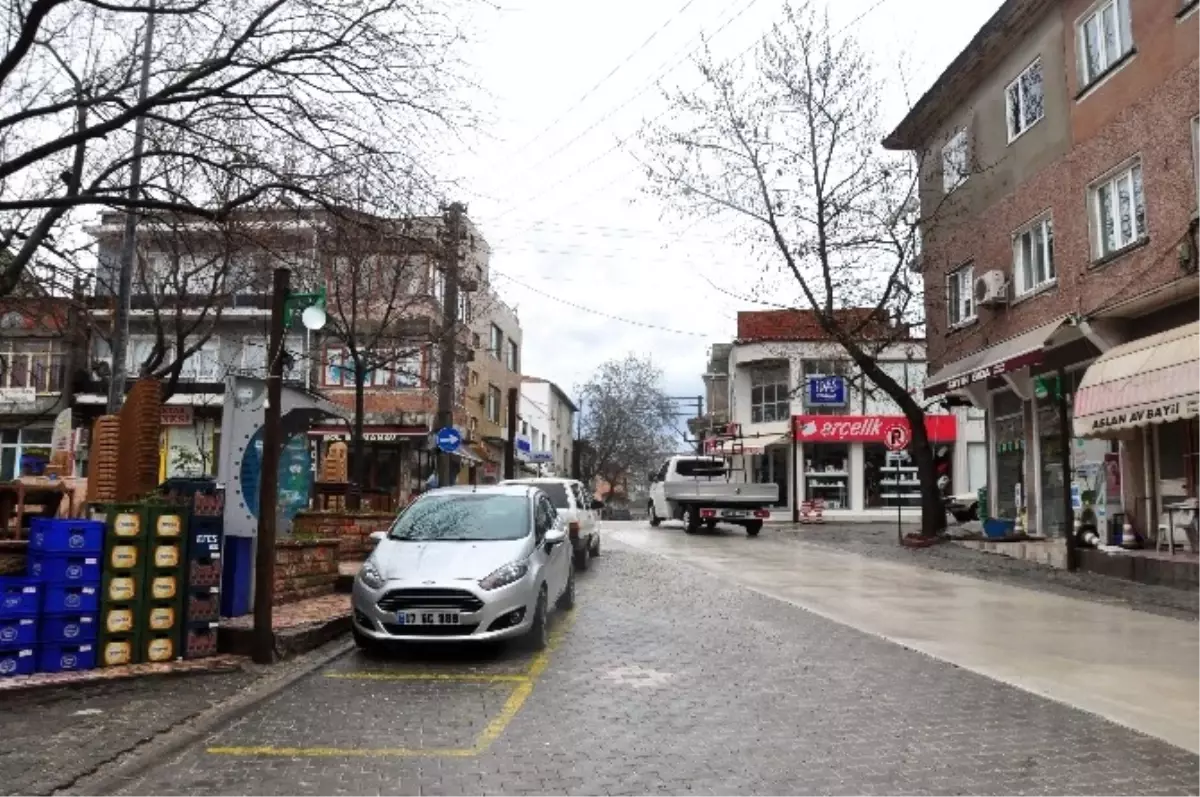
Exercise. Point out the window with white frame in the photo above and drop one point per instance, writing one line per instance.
(1118, 210)
(253, 358)
(493, 404)
(511, 356)
(956, 156)
(1104, 36)
(40, 365)
(1196, 152)
(1033, 256)
(495, 342)
(960, 295)
(1025, 100)
(770, 398)
(203, 364)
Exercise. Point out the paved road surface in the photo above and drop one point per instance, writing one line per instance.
(668, 679)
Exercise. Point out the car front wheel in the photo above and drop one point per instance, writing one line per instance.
(538, 635)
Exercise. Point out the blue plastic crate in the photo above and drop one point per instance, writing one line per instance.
(19, 596)
(18, 631)
(65, 568)
(68, 628)
(66, 598)
(63, 658)
(17, 661)
(66, 535)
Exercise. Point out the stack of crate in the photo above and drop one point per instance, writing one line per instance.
(166, 574)
(123, 593)
(206, 527)
(65, 556)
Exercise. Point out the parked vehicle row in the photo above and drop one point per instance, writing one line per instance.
(476, 564)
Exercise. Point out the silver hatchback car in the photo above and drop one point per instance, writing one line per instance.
(466, 564)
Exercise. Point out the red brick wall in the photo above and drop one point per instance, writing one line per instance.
(1159, 130)
(774, 325)
(305, 569)
(352, 531)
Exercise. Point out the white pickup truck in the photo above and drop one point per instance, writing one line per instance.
(698, 490)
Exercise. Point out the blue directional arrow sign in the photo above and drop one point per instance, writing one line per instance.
(448, 439)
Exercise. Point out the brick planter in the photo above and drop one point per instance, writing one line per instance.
(305, 569)
(12, 557)
(352, 530)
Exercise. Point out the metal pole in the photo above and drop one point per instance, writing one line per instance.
(899, 504)
(448, 372)
(264, 555)
(1065, 443)
(120, 339)
(510, 444)
(795, 474)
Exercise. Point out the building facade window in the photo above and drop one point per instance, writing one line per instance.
(1033, 256)
(956, 156)
(40, 365)
(1104, 37)
(960, 296)
(1196, 153)
(495, 341)
(24, 452)
(1025, 100)
(1118, 211)
(511, 360)
(770, 398)
(493, 404)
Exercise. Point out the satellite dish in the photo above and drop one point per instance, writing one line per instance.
(313, 318)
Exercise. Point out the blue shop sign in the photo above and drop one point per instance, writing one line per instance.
(826, 391)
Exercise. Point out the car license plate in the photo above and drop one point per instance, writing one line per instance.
(427, 618)
(734, 513)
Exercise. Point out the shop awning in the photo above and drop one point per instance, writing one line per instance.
(1152, 380)
(468, 456)
(1009, 355)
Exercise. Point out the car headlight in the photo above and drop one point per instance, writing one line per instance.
(513, 571)
(370, 575)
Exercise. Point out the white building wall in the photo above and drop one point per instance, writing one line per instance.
(904, 361)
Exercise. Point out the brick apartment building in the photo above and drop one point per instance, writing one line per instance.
(1059, 202)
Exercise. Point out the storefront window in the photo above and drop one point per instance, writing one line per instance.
(826, 474)
(891, 478)
(1176, 455)
(1009, 443)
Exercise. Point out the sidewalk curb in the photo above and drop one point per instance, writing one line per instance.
(116, 773)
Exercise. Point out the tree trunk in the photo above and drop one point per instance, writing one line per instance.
(933, 509)
(358, 456)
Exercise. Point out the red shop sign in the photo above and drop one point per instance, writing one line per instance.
(865, 428)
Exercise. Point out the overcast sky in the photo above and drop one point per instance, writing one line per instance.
(575, 240)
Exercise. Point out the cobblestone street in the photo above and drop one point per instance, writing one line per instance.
(668, 680)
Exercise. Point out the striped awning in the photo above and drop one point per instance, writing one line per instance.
(1155, 379)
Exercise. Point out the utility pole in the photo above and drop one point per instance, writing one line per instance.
(448, 371)
(264, 554)
(120, 333)
(510, 444)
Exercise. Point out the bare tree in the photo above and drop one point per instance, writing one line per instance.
(628, 421)
(788, 149)
(255, 100)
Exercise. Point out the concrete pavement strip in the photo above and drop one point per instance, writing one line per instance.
(112, 775)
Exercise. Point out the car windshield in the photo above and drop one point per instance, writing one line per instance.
(555, 491)
(462, 517)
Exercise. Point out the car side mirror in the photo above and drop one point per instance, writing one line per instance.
(553, 537)
(597, 505)
(653, 477)
(378, 536)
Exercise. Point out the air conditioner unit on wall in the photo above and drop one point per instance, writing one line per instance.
(991, 288)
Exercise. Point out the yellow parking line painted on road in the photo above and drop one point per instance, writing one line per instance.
(338, 752)
(482, 678)
(490, 734)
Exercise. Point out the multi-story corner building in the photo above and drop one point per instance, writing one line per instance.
(495, 369)
(549, 406)
(1058, 193)
(399, 399)
(783, 370)
(716, 393)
